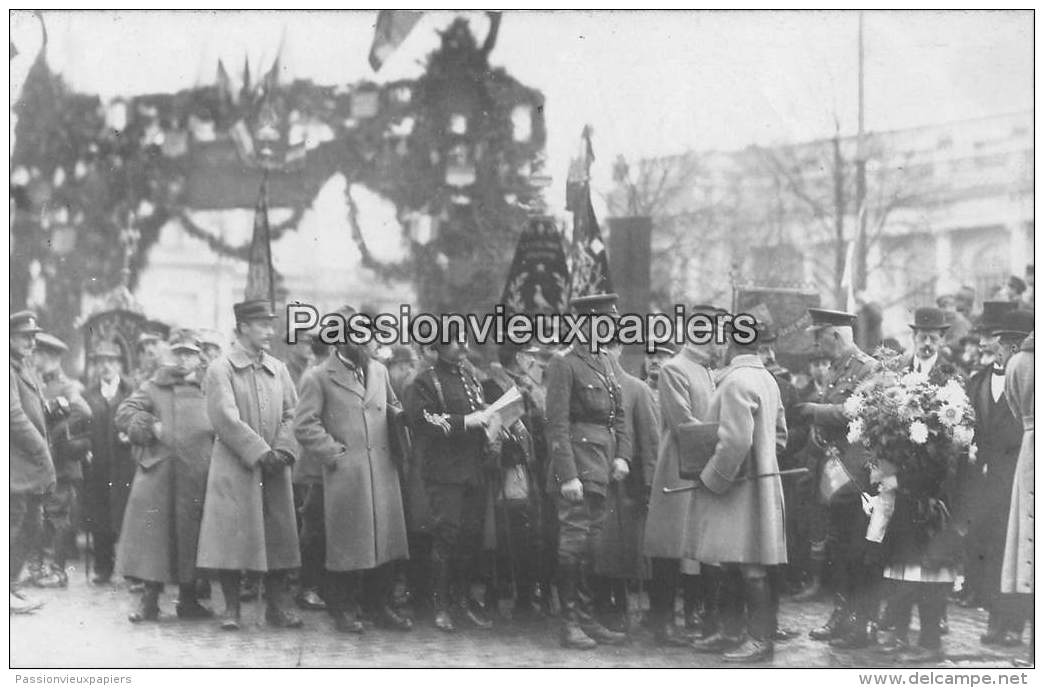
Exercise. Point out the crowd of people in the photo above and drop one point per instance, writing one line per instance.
(381, 486)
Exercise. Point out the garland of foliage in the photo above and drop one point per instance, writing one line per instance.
(93, 184)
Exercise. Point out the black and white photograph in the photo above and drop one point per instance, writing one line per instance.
(648, 339)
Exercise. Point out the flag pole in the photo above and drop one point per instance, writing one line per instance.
(268, 239)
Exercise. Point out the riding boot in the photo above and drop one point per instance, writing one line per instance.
(148, 605)
(440, 596)
(837, 621)
(572, 634)
(230, 588)
(188, 606)
(279, 605)
(693, 594)
(760, 625)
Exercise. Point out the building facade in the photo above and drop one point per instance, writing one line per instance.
(946, 205)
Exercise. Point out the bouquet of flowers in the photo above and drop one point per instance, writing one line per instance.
(910, 423)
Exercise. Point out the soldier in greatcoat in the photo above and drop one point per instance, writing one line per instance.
(248, 516)
(32, 469)
(738, 514)
(69, 431)
(166, 417)
(590, 449)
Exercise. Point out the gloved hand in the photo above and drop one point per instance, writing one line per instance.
(621, 469)
(573, 490)
(286, 457)
(271, 462)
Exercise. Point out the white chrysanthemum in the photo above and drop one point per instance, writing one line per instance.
(950, 415)
(963, 436)
(918, 432)
(855, 431)
(853, 405)
(952, 393)
(912, 379)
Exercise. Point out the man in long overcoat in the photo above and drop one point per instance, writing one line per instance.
(342, 420)
(739, 517)
(248, 517)
(166, 417)
(68, 428)
(111, 466)
(1017, 570)
(684, 389)
(32, 470)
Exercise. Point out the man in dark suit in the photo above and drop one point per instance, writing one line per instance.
(446, 411)
(110, 462)
(986, 480)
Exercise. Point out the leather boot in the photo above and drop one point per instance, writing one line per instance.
(857, 633)
(188, 606)
(340, 590)
(761, 624)
(470, 611)
(279, 608)
(440, 596)
(230, 588)
(148, 604)
(834, 625)
(573, 635)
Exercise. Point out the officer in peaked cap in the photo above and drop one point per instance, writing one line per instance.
(595, 303)
(32, 470)
(590, 448)
(822, 317)
(249, 522)
(855, 604)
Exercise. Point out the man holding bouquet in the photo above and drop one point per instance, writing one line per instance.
(855, 583)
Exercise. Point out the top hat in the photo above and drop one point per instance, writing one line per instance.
(253, 309)
(930, 318)
(823, 317)
(24, 322)
(49, 342)
(106, 350)
(993, 313)
(596, 303)
(1016, 323)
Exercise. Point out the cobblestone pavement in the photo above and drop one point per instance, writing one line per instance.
(86, 626)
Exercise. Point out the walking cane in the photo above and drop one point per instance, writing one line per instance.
(689, 488)
(87, 556)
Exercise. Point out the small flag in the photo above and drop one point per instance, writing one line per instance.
(393, 26)
(590, 261)
(260, 283)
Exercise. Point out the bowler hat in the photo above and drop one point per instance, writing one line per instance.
(1017, 323)
(930, 318)
(106, 350)
(823, 317)
(595, 303)
(50, 343)
(24, 322)
(993, 313)
(253, 309)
